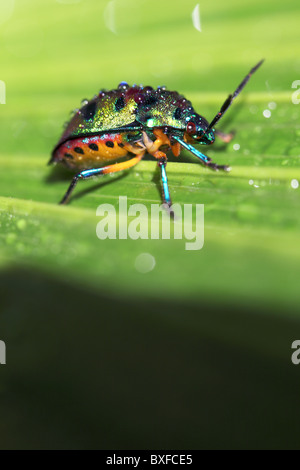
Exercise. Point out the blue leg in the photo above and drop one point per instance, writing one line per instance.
(204, 159)
(83, 175)
(167, 202)
(100, 171)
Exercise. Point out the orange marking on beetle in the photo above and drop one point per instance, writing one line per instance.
(91, 152)
(123, 165)
(176, 149)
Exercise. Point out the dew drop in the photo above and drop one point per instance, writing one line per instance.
(145, 263)
(11, 238)
(267, 113)
(21, 224)
(196, 18)
(253, 109)
(295, 184)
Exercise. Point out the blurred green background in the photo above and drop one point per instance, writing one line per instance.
(197, 352)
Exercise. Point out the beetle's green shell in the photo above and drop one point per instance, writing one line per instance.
(130, 108)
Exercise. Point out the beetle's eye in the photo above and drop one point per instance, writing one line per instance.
(191, 128)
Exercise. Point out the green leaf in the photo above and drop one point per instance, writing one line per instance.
(201, 343)
(253, 210)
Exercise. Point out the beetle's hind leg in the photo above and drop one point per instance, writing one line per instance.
(101, 171)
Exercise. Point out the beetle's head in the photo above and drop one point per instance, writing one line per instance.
(196, 131)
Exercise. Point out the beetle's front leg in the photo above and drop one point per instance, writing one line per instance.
(204, 159)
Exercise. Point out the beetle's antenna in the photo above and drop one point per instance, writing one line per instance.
(230, 98)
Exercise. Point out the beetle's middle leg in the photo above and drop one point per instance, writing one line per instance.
(167, 202)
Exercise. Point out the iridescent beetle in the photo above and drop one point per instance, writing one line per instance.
(130, 121)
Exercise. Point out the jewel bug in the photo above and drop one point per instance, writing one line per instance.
(113, 131)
